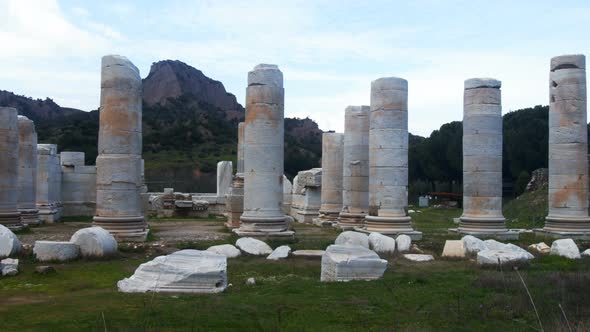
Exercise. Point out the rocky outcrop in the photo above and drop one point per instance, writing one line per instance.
(539, 179)
(173, 78)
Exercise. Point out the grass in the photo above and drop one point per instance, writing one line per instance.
(437, 296)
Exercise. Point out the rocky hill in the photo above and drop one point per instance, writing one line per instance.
(35, 109)
(170, 79)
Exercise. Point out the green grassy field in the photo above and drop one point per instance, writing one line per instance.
(436, 296)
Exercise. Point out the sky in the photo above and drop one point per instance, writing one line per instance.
(329, 51)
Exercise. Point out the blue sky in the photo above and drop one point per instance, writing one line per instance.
(329, 51)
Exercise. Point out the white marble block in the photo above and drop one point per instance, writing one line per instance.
(346, 263)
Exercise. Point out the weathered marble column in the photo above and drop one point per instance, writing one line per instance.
(355, 168)
(568, 165)
(225, 169)
(263, 154)
(388, 159)
(48, 183)
(118, 178)
(27, 171)
(331, 197)
(482, 160)
(10, 216)
(234, 202)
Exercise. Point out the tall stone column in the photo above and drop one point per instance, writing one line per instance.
(10, 216)
(331, 197)
(568, 163)
(388, 159)
(482, 160)
(234, 202)
(355, 168)
(118, 178)
(264, 154)
(27, 171)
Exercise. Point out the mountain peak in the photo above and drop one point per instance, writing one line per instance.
(174, 78)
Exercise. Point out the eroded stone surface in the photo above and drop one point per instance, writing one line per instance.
(281, 252)
(9, 267)
(403, 242)
(185, 271)
(350, 262)
(46, 251)
(226, 250)
(9, 214)
(381, 244)
(419, 257)
(565, 248)
(473, 245)
(27, 171)
(502, 256)
(95, 242)
(9, 242)
(253, 246)
(540, 248)
(352, 238)
(454, 249)
(331, 192)
(308, 253)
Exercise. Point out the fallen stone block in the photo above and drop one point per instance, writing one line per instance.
(403, 242)
(9, 267)
(540, 248)
(308, 253)
(473, 245)
(352, 238)
(44, 269)
(47, 251)
(185, 271)
(95, 242)
(493, 257)
(253, 246)
(351, 262)
(454, 249)
(381, 244)
(419, 257)
(565, 248)
(9, 243)
(280, 253)
(226, 250)
(586, 253)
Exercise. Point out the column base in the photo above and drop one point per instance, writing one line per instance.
(350, 221)
(485, 227)
(124, 229)
(566, 227)
(306, 216)
(264, 227)
(12, 220)
(326, 218)
(49, 214)
(30, 217)
(391, 226)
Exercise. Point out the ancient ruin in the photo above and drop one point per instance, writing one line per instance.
(388, 159)
(309, 200)
(568, 150)
(10, 216)
(355, 168)
(482, 160)
(264, 154)
(234, 203)
(331, 191)
(78, 185)
(118, 178)
(27, 171)
(48, 183)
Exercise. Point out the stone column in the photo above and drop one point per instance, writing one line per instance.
(78, 192)
(568, 166)
(264, 154)
(331, 197)
(27, 171)
(118, 178)
(388, 159)
(234, 203)
(355, 168)
(482, 160)
(48, 183)
(224, 178)
(10, 216)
